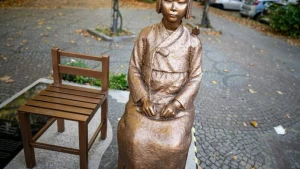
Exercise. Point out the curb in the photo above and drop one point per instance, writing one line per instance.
(195, 148)
(108, 38)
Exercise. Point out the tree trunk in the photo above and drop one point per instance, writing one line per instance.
(205, 22)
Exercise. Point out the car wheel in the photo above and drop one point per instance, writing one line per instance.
(257, 16)
(220, 6)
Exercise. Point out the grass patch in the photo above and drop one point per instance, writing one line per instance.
(116, 81)
(108, 32)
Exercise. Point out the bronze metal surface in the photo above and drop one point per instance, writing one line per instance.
(164, 77)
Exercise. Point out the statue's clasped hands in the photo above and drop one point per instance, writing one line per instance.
(169, 111)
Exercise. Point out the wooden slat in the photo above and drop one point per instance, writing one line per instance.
(55, 63)
(80, 71)
(76, 55)
(105, 71)
(53, 113)
(70, 97)
(43, 129)
(100, 104)
(59, 107)
(95, 135)
(65, 102)
(79, 88)
(55, 148)
(74, 92)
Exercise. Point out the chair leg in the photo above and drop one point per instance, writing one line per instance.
(27, 137)
(83, 144)
(60, 125)
(104, 119)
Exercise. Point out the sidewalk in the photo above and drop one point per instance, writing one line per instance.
(238, 60)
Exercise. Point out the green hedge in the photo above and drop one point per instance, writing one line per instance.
(285, 19)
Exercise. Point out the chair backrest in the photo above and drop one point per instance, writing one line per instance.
(58, 69)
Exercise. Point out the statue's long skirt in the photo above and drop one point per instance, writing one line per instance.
(154, 144)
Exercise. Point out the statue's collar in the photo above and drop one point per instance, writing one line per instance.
(166, 33)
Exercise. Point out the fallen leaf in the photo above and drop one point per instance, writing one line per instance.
(6, 79)
(225, 70)
(247, 75)
(214, 82)
(78, 31)
(41, 22)
(48, 28)
(252, 91)
(73, 41)
(3, 57)
(251, 64)
(254, 123)
(292, 70)
(8, 45)
(279, 92)
(234, 157)
(10, 39)
(46, 35)
(244, 124)
(287, 116)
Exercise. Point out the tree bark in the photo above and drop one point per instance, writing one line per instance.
(205, 22)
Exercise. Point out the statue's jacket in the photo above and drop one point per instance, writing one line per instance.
(164, 66)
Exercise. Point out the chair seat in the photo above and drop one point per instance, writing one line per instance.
(65, 102)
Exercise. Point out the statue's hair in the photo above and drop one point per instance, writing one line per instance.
(188, 10)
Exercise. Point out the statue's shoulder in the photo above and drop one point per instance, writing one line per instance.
(193, 36)
(146, 31)
(195, 41)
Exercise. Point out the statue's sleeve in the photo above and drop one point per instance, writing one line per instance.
(189, 91)
(136, 81)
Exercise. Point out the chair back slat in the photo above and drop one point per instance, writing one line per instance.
(80, 71)
(81, 56)
(58, 69)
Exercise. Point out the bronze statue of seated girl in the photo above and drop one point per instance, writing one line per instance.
(164, 78)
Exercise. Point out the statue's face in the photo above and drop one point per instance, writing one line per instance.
(174, 10)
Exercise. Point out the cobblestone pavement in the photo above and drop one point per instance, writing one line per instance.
(238, 60)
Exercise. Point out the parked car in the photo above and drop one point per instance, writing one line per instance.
(254, 8)
(227, 4)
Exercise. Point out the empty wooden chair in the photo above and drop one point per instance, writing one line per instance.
(66, 102)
